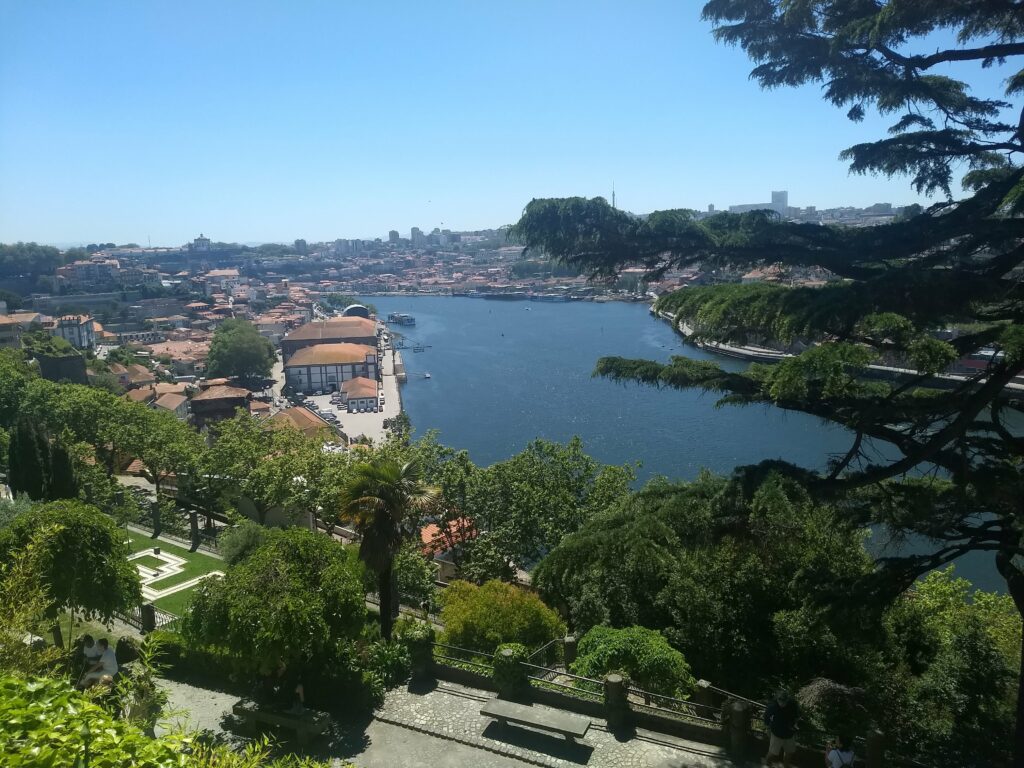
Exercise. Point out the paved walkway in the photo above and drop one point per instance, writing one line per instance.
(443, 728)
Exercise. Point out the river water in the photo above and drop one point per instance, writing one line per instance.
(505, 372)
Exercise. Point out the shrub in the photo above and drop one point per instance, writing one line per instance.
(641, 653)
(418, 638)
(239, 542)
(43, 721)
(390, 662)
(482, 618)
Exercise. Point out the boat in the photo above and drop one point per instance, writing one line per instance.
(400, 318)
(426, 375)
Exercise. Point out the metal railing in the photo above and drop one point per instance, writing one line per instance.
(678, 708)
(472, 661)
(133, 617)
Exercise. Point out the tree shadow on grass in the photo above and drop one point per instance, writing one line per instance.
(535, 741)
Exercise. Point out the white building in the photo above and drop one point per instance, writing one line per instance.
(325, 367)
(79, 330)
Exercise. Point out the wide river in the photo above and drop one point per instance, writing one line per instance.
(505, 372)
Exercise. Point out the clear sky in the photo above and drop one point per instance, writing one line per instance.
(259, 121)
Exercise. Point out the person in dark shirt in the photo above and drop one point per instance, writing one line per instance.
(780, 718)
(281, 688)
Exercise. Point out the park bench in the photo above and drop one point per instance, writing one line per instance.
(569, 725)
(305, 724)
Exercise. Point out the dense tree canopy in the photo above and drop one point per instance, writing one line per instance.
(238, 350)
(28, 258)
(83, 559)
(291, 599)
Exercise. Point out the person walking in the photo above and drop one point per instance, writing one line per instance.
(780, 718)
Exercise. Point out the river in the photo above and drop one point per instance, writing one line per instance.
(505, 372)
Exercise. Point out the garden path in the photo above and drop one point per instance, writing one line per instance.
(442, 727)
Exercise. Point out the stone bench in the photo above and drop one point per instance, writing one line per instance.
(569, 725)
(305, 724)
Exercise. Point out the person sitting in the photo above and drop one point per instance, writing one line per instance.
(281, 689)
(839, 753)
(90, 650)
(103, 670)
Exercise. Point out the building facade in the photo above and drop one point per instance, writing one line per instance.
(325, 367)
(78, 330)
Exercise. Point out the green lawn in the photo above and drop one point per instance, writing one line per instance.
(196, 564)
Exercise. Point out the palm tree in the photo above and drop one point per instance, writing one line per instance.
(382, 499)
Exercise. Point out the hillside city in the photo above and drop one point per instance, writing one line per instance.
(629, 481)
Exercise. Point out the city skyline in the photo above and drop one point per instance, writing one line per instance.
(264, 124)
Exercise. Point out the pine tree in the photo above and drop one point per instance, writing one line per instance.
(957, 480)
(30, 460)
(63, 482)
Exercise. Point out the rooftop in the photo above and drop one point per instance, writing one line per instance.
(330, 354)
(221, 392)
(335, 328)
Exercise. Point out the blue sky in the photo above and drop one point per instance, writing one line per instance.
(258, 121)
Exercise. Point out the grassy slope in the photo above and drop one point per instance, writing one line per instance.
(196, 564)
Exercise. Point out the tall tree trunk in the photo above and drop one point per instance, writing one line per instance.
(157, 512)
(1015, 586)
(193, 525)
(385, 591)
(58, 636)
(1018, 734)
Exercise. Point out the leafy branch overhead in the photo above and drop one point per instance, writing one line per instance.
(929, 454)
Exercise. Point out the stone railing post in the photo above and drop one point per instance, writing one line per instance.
(616, 703)
(736, 724)
(703, 694)
(875, 749)
(148, 613)
(569, 649)
(509, 674)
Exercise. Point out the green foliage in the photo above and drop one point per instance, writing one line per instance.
(529, 502)
(390, 661)
(43, 343)
(414, 576)
(384, 500)
(642, 654)
(292, 599)
(83, 564)
(24, 606)
(238, 350)
(955, 483)
(738, 585)
(240, 541)
(44, 722)
(509, 674)
(418, 638)
(15, 375)
(482, 618)
(28, 258)
(30, 460)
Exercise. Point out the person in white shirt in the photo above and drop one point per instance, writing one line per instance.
(103, 670)
(90, 650)
(839, 753)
